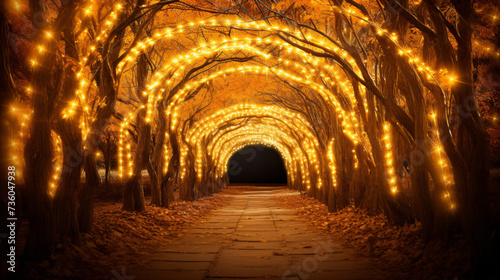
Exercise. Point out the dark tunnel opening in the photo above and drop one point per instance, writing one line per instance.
(257, 164)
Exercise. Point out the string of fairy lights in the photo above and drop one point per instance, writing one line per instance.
(391, 174)
(331, 162)
(447, 179)
(295, 65)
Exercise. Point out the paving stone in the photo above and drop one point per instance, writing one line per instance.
(202, 239)
(252, 272)
(285, 217)
(240, 278)
(256, 227)
(176, 265)
(220, 219)
(148, 274)
(255, 236)
(191, 248)
(215, 224)
(315, 251)
(228, 210)
(255, 245)
(282, 211)
(182, 257)
(257, 212)
(257, 218)
(205, 238)
(256, 222)
(290, 224)
(291, 231)
(231, 214)
(301, 237)
(343, 275)
(347, 264)
(196, 230)
(240, 257)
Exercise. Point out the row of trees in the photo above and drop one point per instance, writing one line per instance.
(356, 73)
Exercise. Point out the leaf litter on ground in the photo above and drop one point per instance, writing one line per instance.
(398, 250)
(121, 239)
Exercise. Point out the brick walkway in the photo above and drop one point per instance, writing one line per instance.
(254, 238)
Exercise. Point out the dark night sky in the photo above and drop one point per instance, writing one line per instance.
(256, 164)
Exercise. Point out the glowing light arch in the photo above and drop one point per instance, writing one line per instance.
(256, 134)
(277, 29)
(221, 135)
(245, 140)
(246, 24)
(257, 69)
(293, 122)
(249, 140)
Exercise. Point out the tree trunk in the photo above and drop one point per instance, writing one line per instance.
(363, 183)
(474, 146)
(66, 196)
(153, 182)
(133, 195)
(107, 91)
(86, 195)
(157, 159)
(187, 191)
(420, 179)
(107, 160)
(170, 179)
(38, 157)
(38, 152)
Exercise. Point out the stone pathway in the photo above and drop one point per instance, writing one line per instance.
(254, 238)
